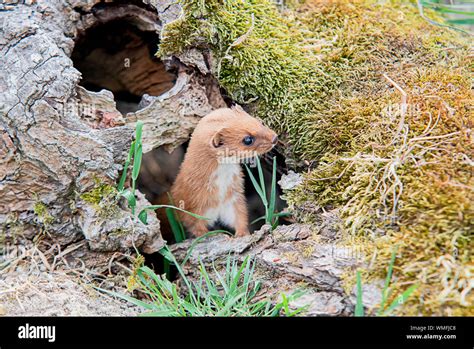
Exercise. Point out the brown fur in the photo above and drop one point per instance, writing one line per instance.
(196, 188)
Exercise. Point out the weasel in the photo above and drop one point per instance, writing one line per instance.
(210, 181)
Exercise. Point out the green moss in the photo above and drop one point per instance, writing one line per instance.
(119, 232)
(42, 212)
(11, 230)
(2, 241)
(315, 74)
(103, 197)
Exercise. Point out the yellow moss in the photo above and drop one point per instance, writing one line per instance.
(396, 177)
(42, 212)
(138, 262)
(291, 257)
(119, 232)
(306, 250)
(301, 284)
(2, 242)
(11, 231)
(103, 197)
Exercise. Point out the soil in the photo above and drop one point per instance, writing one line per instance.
(46, 293)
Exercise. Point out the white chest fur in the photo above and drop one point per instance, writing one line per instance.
(223, 179)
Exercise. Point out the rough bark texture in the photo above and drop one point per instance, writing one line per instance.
(59, 140)
(290, 258)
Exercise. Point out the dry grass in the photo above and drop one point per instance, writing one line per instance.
(46, 282)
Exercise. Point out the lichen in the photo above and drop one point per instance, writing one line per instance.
(398, 173)
(2, 241)
(103, 197)
(119, 232)
(12, 231)
(306, 250)
(41, 211)
(291, 257)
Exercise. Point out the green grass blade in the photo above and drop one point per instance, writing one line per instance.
(137, 161)
(126, 166)
(175, 227)
(271, 208)
(285, 303)
(149, 287)
(400, 299)
(143, 217)
(421, 9)
(239, 273)
(154, 207)
(137, 156)
(138, 131)
(275, 223)
(283, 214)
(262, 179)
(167, 268)
(165, 252)
(359, 308)
(123, 178)
(259, 171)
(462, 9)
(387, 280)
(454, 11)
(461, 21)
(181, 227)
(131, 199)
(258, 219)
(150, 273)
(205, 297)
(226, 309)
(127, 298)
(257, 187)
(160, 313)
(221, 279)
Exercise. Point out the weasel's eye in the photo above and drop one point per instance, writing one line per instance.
(248, 140)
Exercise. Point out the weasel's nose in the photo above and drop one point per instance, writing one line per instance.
(275, 139)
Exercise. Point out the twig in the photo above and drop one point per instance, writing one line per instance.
(403, 104)
(434, 137)
(67, 251)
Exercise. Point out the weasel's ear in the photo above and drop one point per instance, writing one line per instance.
(217, 140)
(237, 108)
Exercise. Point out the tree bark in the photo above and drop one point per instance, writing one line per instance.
(291, 258)
(59, 140)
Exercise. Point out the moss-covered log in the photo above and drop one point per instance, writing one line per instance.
(373, 103)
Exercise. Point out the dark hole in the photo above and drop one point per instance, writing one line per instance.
(159, 170)
(119, 57)
(157, 262)
(254, 203)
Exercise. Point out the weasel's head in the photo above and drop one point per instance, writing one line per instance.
(232, 133)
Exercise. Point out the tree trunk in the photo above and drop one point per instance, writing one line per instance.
(60, 141)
